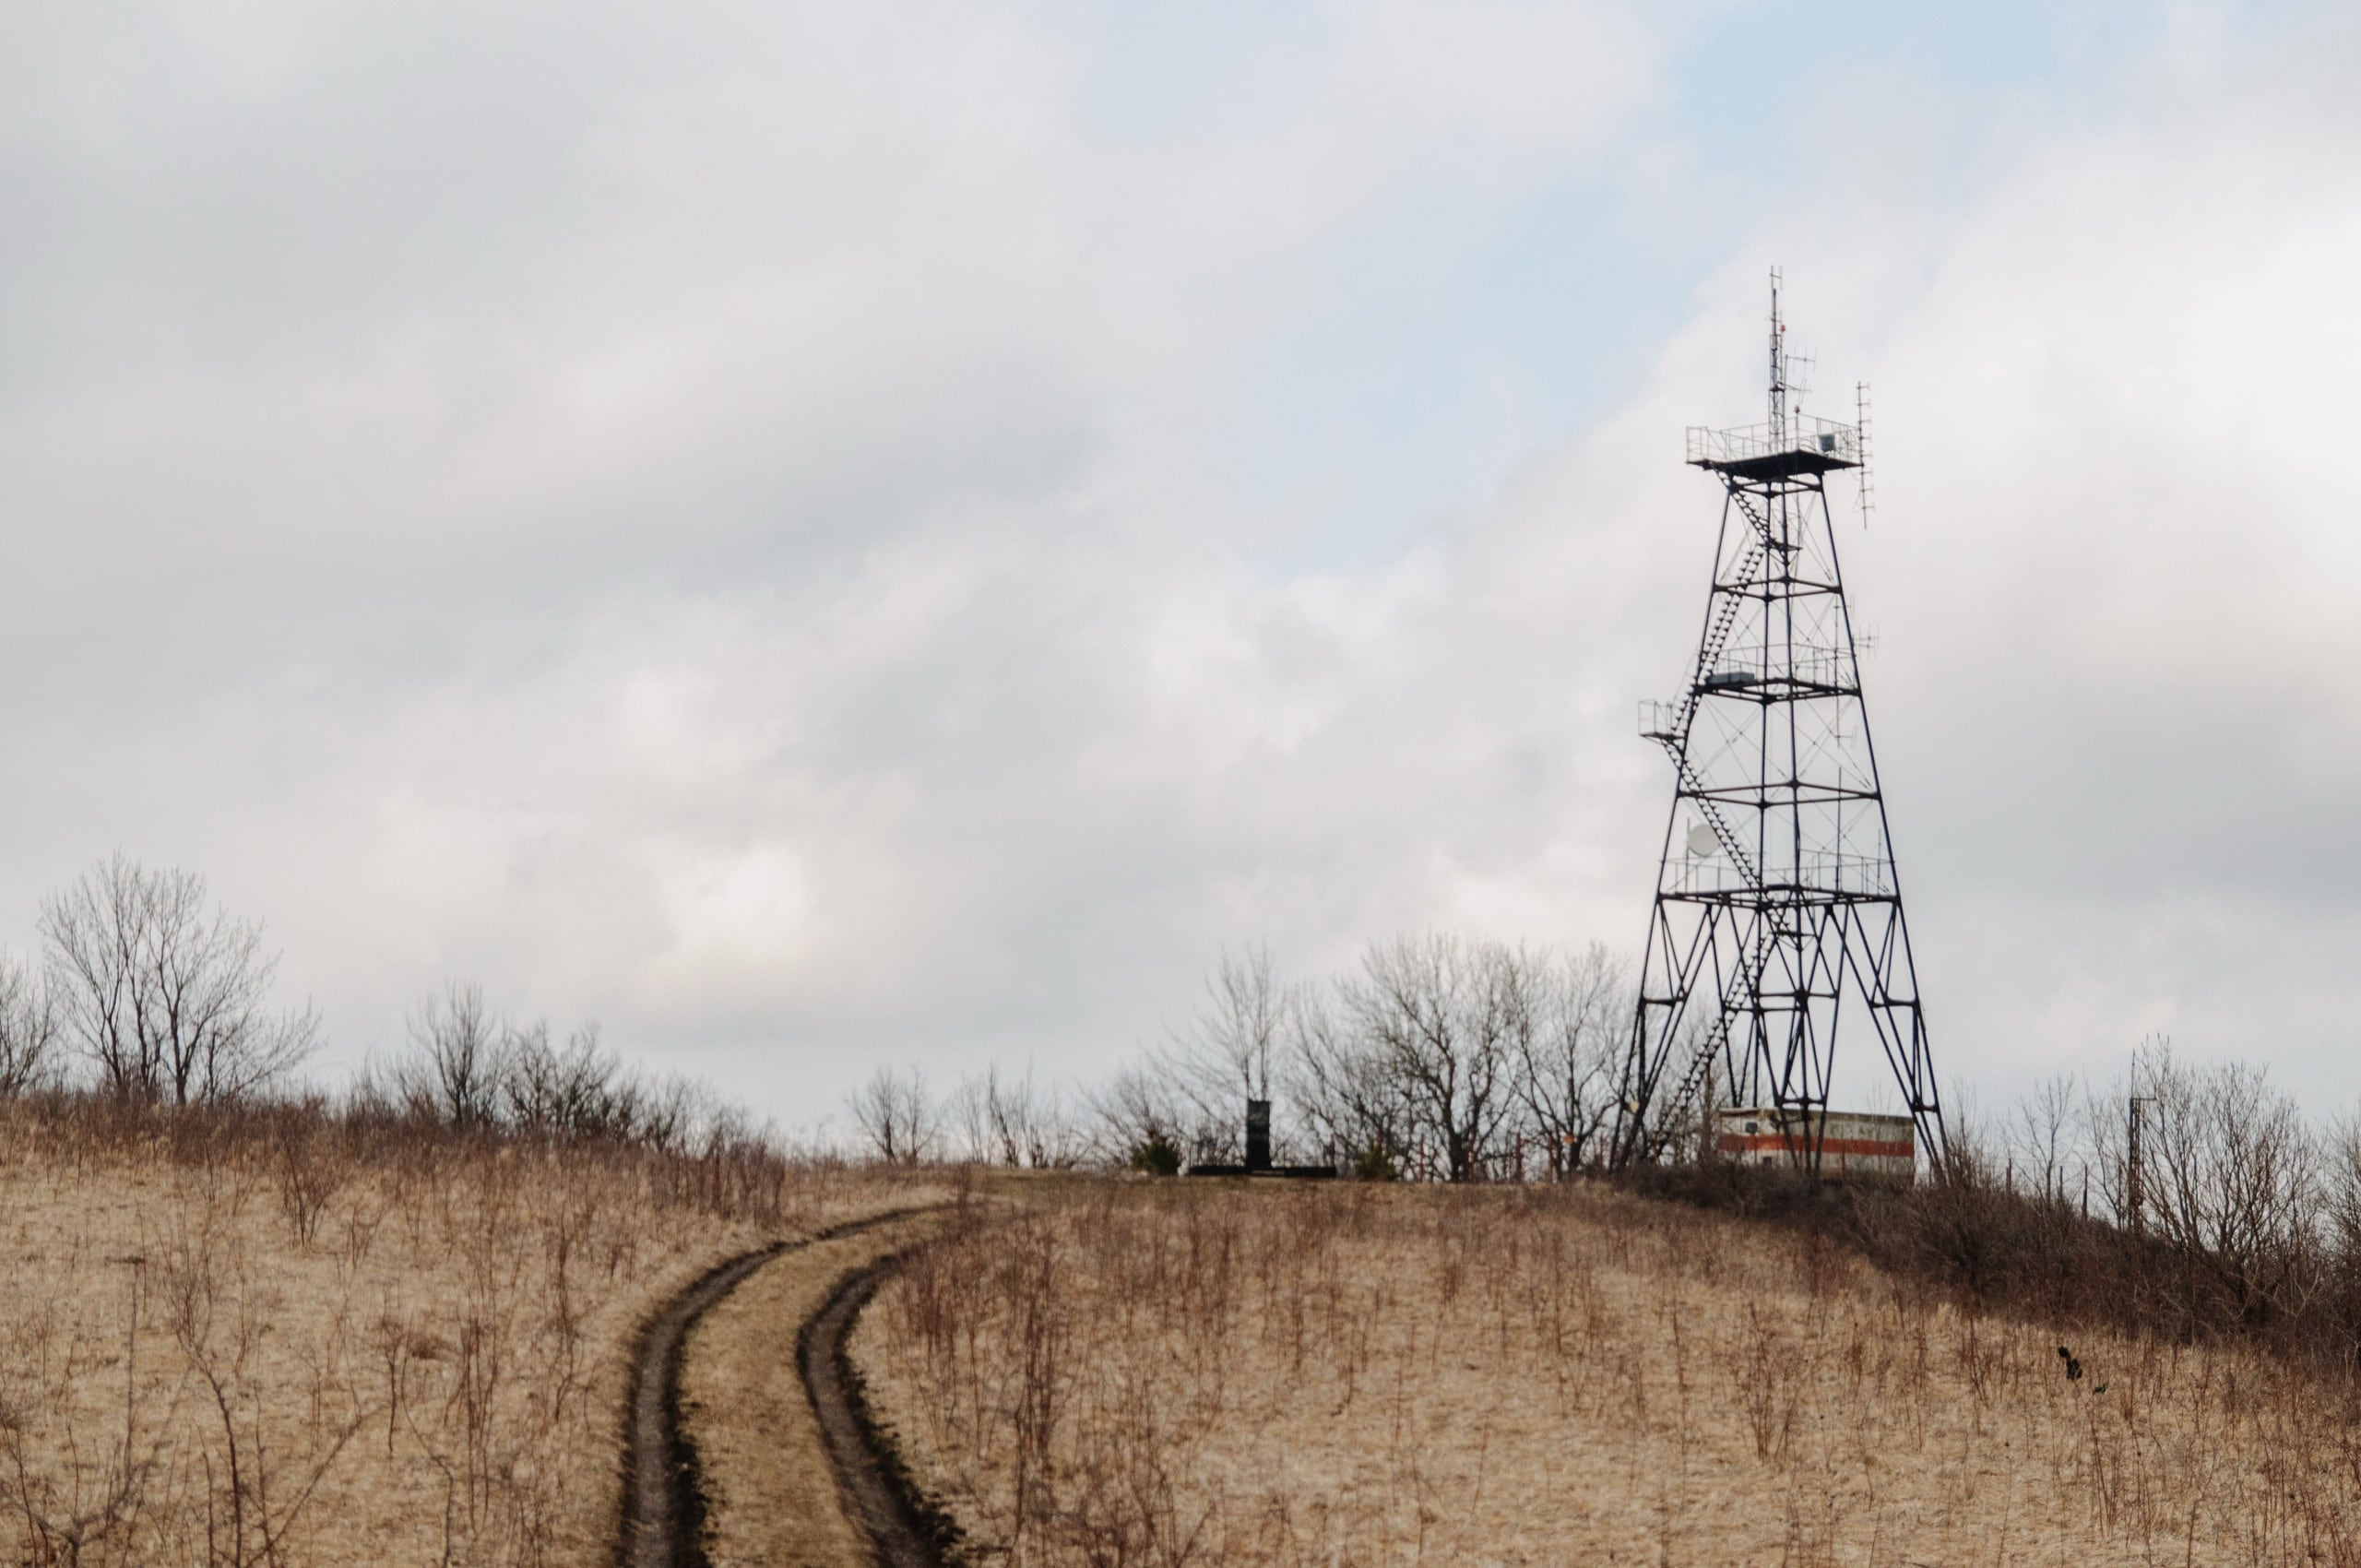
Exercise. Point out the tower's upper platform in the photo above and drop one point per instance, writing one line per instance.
(1798, 444)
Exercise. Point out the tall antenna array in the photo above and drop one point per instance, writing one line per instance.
(1865, 487)
(1778, 920)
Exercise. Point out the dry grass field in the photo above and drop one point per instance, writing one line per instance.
(1169, 1374)
(274, 1338)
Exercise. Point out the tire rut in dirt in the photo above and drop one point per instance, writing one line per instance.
(663, 1506)
(903, 1529)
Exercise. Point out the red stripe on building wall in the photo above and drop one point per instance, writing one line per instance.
(1740, 1143)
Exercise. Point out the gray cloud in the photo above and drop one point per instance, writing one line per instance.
(762, 528)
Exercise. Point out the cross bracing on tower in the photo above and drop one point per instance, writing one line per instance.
(1778, 922)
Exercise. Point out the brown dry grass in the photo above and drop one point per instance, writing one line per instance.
(1169, 1374)
(264, 1337)
(771, 1495)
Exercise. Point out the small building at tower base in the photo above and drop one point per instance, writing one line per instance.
(1853, 1146)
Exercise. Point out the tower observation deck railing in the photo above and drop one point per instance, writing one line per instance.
(1818, 443)
(1780, 674)
(1744, 670)
(1661, 720)
(1824, 872)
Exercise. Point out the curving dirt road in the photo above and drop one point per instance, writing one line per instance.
(664, 1493)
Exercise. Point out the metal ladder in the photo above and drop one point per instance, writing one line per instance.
(1675, 741)
(1693, 1078)
(1668, 1108)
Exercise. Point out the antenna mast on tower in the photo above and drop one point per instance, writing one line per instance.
(1778, 920)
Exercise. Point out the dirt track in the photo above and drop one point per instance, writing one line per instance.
(665, 1490)
(883, 1508)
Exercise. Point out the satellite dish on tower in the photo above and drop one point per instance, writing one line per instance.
(1701, 841)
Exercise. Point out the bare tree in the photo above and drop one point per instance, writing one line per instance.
(456, 1075)
(991, 1121)
(166, 995)
(674, 1110)
(2341, 1194)
(1226, 1055)
(1437, 1017)
(2041, 1138)
(1349, 1095)
(1012, 1121)
(896, 1115)
(1567, 1017)
(28, 1030)
(2232, 1180)
(469, 1068)
(1009, 1116)
(2341, 1189)
(966, 1120)
(1054, 1138)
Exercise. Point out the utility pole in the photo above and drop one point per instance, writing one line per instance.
(2135, 1187)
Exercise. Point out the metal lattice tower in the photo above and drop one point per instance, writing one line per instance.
(1778, 916)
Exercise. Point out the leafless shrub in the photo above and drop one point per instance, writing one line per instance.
(1135, 1123)
(580, 1091)
(1767, 1386)
(309, 1168)
(1016, 1122)
(468, 1070)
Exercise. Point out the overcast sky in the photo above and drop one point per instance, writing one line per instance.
(819, 535)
